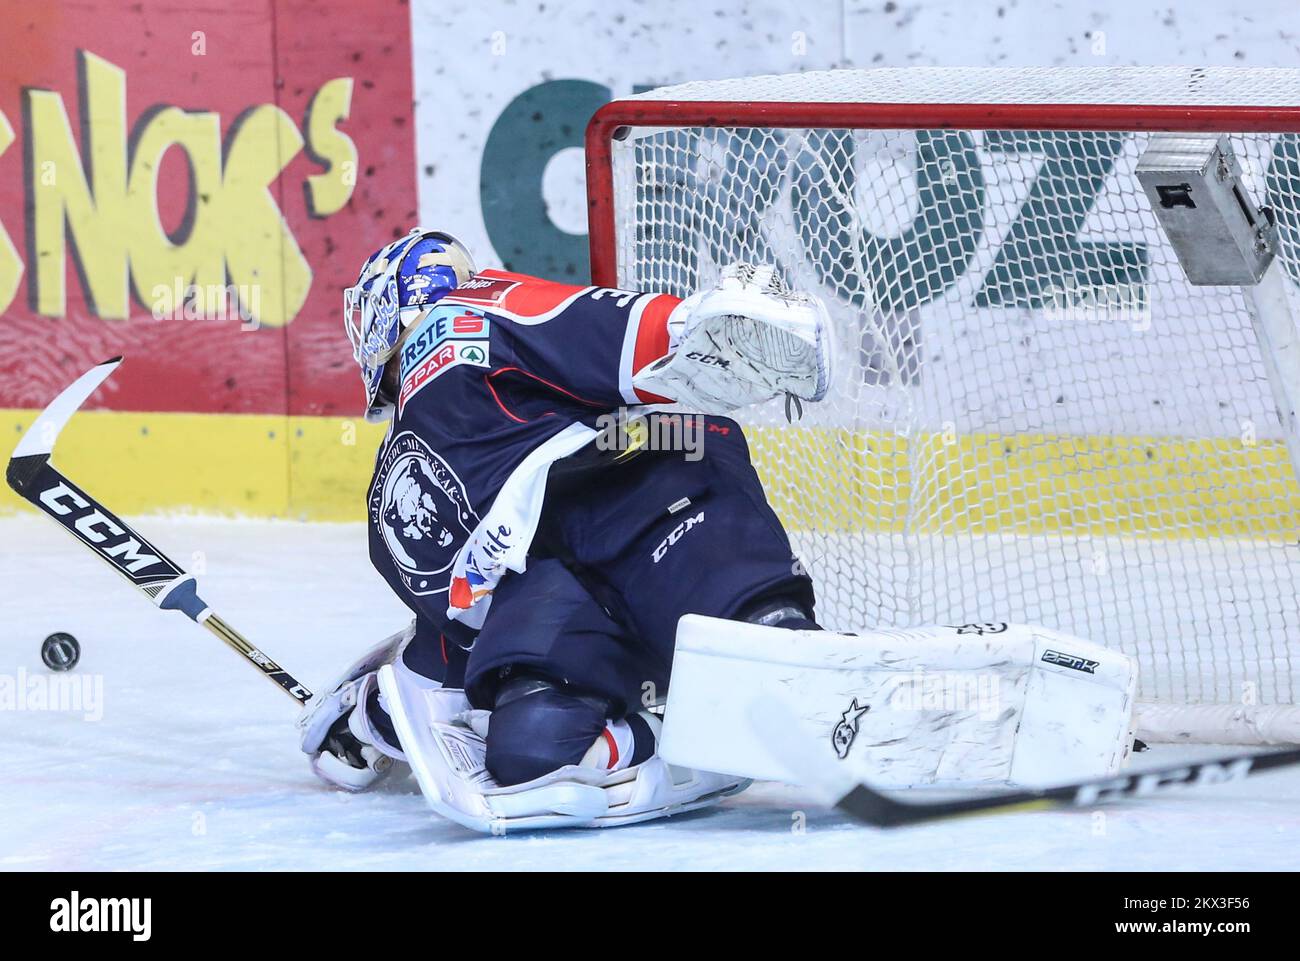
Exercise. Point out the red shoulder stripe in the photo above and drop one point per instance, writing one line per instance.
(652, 340)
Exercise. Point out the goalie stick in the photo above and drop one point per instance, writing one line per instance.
(162, 580)
(860, 801)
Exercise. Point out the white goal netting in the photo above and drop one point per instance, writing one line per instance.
(1036, 417)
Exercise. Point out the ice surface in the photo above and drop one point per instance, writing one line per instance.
(194, 762)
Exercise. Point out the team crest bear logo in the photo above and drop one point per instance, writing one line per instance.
(417, 507)
(420, 508)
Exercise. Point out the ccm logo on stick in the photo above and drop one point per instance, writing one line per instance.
(95, 528)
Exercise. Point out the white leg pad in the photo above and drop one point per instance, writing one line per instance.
(950, 706)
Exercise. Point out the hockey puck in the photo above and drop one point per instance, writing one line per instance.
(60, 652)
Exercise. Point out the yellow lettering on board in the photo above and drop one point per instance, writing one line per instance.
(261, 253)
(11, 264)
(234, 253)
(95, 212)
(162, 268)
(331, 147)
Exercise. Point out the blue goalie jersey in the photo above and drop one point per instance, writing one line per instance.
(500, 378)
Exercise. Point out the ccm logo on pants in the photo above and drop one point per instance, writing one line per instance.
(676, 535)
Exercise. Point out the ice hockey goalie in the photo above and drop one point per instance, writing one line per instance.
(526, 508)
(545, 541)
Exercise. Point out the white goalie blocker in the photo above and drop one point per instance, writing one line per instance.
(946, 706)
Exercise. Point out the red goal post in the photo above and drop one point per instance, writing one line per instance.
(611, 120)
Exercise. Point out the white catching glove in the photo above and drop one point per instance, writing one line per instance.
(747, 340)
(335, 734)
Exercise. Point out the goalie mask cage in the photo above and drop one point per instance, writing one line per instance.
(1036, 417)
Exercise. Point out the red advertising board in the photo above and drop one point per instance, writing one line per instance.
(193, 185)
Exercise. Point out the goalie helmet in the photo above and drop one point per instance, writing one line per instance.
(397, 286)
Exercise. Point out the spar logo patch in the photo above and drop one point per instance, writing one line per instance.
(449, 337)
(421, 509)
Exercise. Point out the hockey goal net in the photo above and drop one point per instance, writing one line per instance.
(1037, 418)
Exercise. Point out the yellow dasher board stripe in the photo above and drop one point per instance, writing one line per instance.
(837, 480)
(818, 479)
(238, 465)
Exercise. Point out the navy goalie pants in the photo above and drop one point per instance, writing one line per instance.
(622, 553)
